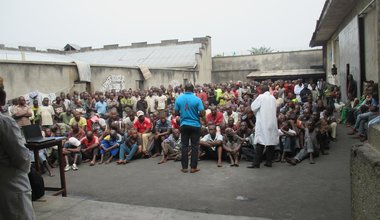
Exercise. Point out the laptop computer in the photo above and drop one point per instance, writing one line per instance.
(33, 134)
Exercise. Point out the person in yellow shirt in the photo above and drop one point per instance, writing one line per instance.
(82, 122)
(220, 92)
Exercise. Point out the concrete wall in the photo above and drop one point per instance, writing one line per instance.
(21, 78)
(370, 40)
(132, 77)
(343, 47)
(238, 67)
(332, 51)
(349, 54)
(204, 61)
(378, 40)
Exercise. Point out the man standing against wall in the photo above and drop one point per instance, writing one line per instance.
(15, 191)
(190, 108)
(22, 112)
(266, 129)
(297, 89)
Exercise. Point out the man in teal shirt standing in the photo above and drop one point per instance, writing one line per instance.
(190, 109)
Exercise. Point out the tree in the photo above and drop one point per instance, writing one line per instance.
(260, 50)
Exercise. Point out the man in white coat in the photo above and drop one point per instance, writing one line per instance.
(15, 191)
(266, 129)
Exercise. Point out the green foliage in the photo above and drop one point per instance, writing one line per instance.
(260, 50)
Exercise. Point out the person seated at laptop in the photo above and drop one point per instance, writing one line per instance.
(71, 149)
(42, 157)
(51, 152)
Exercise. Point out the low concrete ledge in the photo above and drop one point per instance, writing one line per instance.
(111, 46)
(365, 182)
(374, 136)
(169, 42)
(25, 48)
(49, 207)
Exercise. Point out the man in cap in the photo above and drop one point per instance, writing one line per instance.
(144, 127)
(71, 149)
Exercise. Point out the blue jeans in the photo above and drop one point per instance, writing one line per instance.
(374, 121)
(361, 120)
(129, 150)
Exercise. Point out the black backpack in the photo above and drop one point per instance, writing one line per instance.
(37, 184)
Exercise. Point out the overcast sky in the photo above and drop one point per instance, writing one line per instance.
(234, 25)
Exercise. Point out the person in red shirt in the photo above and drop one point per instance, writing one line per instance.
(215, 117)
(235, 90)
(201, 94)
(90, 149)
(175, 122)
(76, 132)
(144, 127)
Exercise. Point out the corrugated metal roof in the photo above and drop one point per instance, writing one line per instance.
(153, 57)
(168, 56)
(16, 55)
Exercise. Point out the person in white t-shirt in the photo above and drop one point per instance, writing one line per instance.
(297, 89)
(212, 144)
(286, 135)
(47, 113)
(151, 100)
(161, 101)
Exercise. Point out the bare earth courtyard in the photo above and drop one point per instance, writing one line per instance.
(305, 191)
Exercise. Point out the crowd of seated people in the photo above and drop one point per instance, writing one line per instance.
(359, 113)
(122, 126)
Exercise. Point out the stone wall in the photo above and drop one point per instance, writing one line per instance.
(238, 67)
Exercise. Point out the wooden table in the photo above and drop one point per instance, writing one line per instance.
(35, 147)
